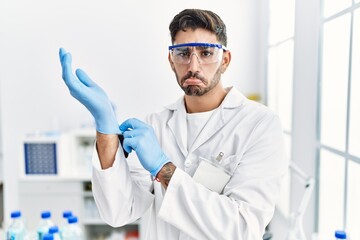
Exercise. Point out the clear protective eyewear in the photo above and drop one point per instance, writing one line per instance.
(206, 53)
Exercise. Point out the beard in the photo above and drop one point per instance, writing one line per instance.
(193, 90)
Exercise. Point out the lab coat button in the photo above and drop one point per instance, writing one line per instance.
(188, 163)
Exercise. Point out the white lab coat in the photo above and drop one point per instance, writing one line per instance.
(251, 138)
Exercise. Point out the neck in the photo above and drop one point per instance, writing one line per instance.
(206, 102)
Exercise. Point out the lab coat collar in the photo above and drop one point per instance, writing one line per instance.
(177, 123)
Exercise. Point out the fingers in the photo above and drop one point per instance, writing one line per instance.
(62, 52)
(65, 60)
(132, 133)
(128, 134)
(128, 144)
(84, 78)
(132, 123)
(67, 73)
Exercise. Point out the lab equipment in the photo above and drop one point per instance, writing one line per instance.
(92, 96)
(41, 155)
(340, 235)
(46, 153)
(16, 230)
(48, 236)
(64, 221)
(141, 138)
(206, 53)
(72, 231)
(44, 224)
(296, 229)
(54, 230)
(65, 154)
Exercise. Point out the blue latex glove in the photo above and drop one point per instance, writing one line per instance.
(90, 95)
(141, 138)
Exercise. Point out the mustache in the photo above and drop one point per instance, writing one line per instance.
(193, 75)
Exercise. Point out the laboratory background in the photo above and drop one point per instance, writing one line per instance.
(299, 57)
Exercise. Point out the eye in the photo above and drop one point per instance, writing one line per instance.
(182, 52)
(207, 53)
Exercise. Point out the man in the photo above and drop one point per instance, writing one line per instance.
(210, 164)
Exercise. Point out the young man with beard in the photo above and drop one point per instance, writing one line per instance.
(210, 165)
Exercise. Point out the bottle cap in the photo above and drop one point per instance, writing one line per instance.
(72, 219)
(46, 214)
(48, 236)
(15, 214)
(340, 234)
(53, 229)
(67, 214)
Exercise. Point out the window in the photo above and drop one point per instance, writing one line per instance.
(280, 76)
(339, 119)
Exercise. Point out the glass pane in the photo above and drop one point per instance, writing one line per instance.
(284, 200)
(280, 79)
(353, 200)
(331, 194)
(334, 81)
(282, 18)
(333, 6)
(354, 133)
(272, 76)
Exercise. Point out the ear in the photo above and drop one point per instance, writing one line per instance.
(225, 60)
(171, 62)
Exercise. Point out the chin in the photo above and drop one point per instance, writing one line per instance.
(194, 91)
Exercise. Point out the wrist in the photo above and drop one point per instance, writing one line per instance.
(165, 174)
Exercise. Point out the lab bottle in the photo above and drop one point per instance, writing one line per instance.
(54, 230)
(340, 235)
(64, 221)
(16, 230)
(48, 236)
(44, 224)
(73, 230)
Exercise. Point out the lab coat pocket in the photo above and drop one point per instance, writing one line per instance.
(229, 163)
(211, 175)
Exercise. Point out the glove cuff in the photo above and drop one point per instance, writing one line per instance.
(107, 124)
(164, 161)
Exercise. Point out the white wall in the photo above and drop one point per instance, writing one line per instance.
(121, 44)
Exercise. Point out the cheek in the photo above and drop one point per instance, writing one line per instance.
(178, 74)
(210, 73)
(179, 71)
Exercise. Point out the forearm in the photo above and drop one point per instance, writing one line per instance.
(165, 174)
(106, 146)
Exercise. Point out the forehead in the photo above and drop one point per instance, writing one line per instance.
(197, 35)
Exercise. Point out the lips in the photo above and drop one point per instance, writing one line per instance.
(192, 81)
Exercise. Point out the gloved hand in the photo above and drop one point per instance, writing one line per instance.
(90, 95)
(141, 138)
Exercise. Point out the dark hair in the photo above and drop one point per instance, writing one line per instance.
(197, 18)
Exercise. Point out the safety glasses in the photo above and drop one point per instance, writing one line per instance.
(206, 53)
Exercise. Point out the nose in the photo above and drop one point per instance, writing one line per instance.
(194, 65)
